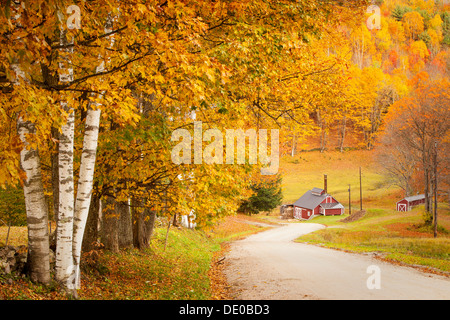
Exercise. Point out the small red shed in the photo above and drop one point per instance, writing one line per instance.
(408, 203)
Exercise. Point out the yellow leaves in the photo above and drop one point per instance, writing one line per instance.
(436, 22)
(250, 58)
(210, 74)
(435, 37)
(10, 171)
(413, 24)
(418, 53)
(419, 49)
(142, 8)
(399, 81)
(396, 31)
(383, 37)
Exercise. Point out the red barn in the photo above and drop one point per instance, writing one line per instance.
(316, 202)
(408, 203)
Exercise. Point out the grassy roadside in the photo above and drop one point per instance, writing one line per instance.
(187, 269)
(399, 238)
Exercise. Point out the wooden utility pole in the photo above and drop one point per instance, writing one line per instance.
(435, 189)
(167, 233)
(349, 202)
(360, 189)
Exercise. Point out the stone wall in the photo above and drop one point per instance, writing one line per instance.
(13, 259)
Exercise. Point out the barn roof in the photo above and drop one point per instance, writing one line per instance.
(310, 199)
(414, 198)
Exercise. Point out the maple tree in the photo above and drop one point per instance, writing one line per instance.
(415, 123)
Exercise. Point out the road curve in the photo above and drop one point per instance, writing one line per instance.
(270, 266)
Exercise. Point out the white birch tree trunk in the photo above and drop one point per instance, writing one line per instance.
(36, 208)
(38, 260)
(86, 175)
(64, 261)
(85, 183)
(35, 203)
(64, 267)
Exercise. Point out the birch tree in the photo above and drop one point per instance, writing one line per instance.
(86, 176)
(73, 212)
(64, 261)
(36, 208)
(35, 202)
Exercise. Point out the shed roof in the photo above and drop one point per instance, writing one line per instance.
(317, 190)
(332, 205)
(310, 199)
(414, 198)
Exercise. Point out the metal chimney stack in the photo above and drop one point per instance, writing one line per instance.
(325, 183)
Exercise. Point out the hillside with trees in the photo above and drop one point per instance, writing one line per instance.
(382, 65)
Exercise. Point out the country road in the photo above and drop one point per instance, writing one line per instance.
(270, 266)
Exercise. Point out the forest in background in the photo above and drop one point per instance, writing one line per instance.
(383, 64)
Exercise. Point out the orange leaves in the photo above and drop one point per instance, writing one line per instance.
(413, 125)
(419, 80)
(236, 64)
(393, 58)
(425, 109)
(440, 61)
(418, 53)
(396, 31)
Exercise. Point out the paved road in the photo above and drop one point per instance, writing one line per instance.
(270, 266)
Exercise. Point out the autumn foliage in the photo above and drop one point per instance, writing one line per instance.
(107, 93)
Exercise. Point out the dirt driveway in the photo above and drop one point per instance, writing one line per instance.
(270, 266)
